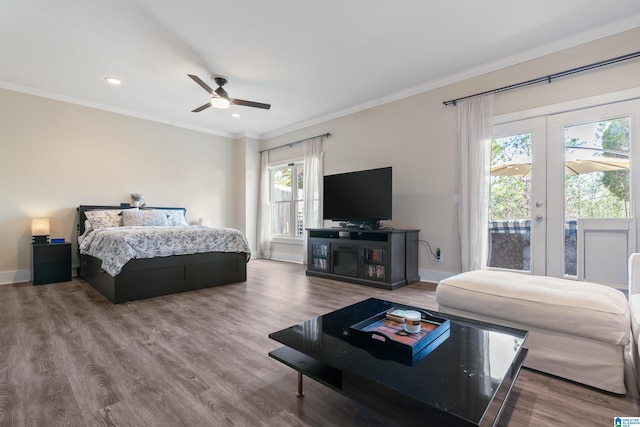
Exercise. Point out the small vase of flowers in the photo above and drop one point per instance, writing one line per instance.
(136, 198)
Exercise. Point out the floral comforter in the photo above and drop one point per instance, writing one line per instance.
(115, 246)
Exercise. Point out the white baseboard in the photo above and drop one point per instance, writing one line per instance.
(19, 276)
(434, 276)
(287, 257)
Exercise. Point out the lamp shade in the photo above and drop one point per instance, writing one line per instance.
(40, 227)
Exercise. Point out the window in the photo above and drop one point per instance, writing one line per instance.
(287, 207)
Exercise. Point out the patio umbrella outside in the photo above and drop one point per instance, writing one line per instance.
(571, 167)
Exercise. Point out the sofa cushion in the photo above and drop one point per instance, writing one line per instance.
(579, 308)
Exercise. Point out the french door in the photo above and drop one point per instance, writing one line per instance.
(562, 199)
(517, 209)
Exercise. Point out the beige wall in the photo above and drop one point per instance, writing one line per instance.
(417, 136)
(55, 156)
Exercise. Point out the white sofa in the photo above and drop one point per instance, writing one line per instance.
(634, 308)
(577, 330)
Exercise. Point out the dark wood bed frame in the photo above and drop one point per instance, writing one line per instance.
(147, 278)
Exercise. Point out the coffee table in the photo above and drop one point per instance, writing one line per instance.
(462, 380)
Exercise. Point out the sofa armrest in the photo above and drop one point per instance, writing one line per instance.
(634, 274)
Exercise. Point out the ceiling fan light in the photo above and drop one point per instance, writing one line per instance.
(220, 102)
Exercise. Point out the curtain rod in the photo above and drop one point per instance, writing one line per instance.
(291, 144)
(551, 76)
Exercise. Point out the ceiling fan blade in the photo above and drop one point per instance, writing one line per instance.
(202, 107)
(201, 83)
(250, 103)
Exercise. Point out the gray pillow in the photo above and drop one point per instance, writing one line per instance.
(132, 217)
(104, 218)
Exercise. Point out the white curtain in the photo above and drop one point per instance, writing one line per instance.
(313, 179)
(474, 146)
(264, 209)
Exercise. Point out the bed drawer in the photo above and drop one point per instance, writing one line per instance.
(226, 271)
(146, 278)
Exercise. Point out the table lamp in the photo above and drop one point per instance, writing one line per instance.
(40, 230)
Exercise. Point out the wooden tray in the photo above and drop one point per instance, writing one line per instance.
(382, 333)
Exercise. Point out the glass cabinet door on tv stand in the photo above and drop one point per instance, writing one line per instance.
(374, 262)
(319, 255)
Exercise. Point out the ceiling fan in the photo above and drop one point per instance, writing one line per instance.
(220, 98)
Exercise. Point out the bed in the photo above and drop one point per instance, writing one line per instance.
(141, 277)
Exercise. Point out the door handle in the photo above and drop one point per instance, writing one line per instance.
(539, 218)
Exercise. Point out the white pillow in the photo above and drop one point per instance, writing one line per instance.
(131, 217)
(104, 218)
(175, 217)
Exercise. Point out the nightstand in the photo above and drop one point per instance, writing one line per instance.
(50, 263)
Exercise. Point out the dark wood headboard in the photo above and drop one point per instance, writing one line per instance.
(83, 208)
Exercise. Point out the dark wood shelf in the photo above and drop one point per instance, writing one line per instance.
(307, 365)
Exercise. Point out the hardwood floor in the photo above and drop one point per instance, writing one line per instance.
(68, 357)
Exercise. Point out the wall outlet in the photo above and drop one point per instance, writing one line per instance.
(438, 255)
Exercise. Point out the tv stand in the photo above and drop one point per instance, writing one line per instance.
(386, 259)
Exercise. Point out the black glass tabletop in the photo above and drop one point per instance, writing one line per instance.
(466, 373)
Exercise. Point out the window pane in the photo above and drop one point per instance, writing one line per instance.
(299, 218)
(300, 193)
(281, 189)
(281, 218)
(287, 193)
(510, 203)
(597, 170)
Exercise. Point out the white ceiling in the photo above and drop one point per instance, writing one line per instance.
(310, 59)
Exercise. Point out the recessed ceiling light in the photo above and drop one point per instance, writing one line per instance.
(236, 115)
(113, 80)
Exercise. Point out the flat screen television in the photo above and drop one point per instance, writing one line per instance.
(358, 199)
